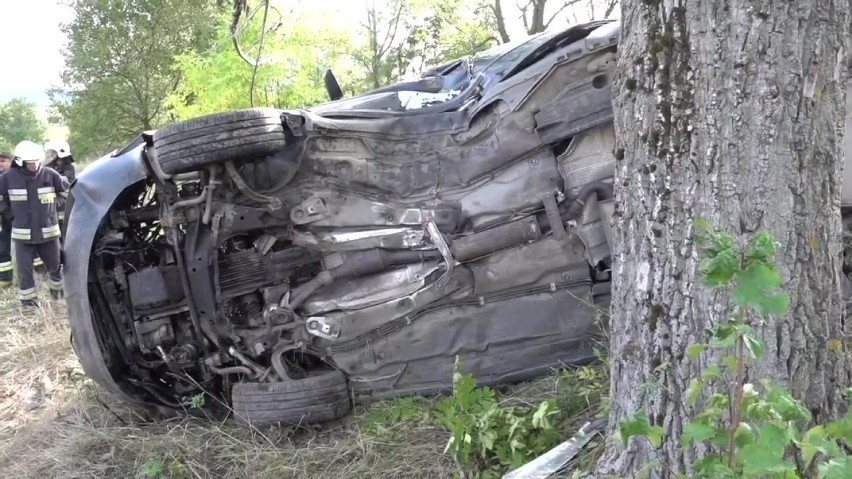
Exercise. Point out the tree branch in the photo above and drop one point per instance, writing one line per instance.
(610, 8)
(259, 52)
(497, 8)
(390, 36)
(565, 5)
(524, 14)
(239, 7)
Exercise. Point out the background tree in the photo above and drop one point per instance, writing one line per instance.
(18, 122)
(538, 15)
(738, 124)
(120, 65)
(290, 75)
(405, 37)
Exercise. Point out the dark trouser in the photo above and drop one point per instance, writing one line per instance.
(25, 253)
(62, 238)
(5, 252)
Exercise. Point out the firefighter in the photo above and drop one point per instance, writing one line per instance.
(58, 157)
(29, 192)
(6, 270)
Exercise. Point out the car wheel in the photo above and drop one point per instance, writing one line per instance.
(237, 135)
(322, 396)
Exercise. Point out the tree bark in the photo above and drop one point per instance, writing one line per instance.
(501, 21)
(731, 111)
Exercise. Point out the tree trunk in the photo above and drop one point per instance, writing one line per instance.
(501, 21)
(731, 111)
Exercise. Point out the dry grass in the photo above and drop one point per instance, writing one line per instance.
(55, 423)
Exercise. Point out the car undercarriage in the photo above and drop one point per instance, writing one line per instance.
(289, 262)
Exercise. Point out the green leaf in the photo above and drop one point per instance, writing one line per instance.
(713, 466)
(761, 248)
(841, 428)
(694, 351)
(815, 441)
(731, 362)
(541, 415)
(720, 268)
(755, 346)
(697, 432)
(744, 435)
(766, 454)
(655, 435)
(840, 468)
(788, 407)
(693, 391)
(640, 425)
(153, 469)
(712, 372)
(724, 336)
(758, 287)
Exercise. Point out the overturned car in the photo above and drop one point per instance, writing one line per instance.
(292, 262)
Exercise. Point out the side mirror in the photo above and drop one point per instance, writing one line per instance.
(332, 87)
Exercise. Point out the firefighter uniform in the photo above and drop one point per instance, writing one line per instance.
(59, 158)
(31, 199)
(6, 270)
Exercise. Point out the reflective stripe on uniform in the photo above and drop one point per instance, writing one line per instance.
(54, 285)
(38, 262)
(17, 194)
(21, 234)
(61, 215)
(24, 294)
(47, 194)
(50, 232)
(5, 266)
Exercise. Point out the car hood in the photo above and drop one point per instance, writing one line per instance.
(92, 194)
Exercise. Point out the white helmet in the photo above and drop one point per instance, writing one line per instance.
(61, 147)
(28, 151)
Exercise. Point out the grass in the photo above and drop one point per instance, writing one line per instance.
(54, 422)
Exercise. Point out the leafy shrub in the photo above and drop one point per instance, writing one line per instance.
(489, 438)
(751, 431)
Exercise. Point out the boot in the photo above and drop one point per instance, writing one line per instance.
(29, 303)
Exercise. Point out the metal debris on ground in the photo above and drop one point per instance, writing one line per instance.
(555, 459)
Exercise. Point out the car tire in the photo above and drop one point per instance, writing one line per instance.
(321, 397)
(194, 144)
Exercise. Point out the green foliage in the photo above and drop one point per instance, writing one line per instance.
(120, 66)
(198, 401)
(749, 431)
(139, 64)
(383, 420)
(18, 122)
(489, 436)
(153, 469)
(293, 62)
(582, 388)
(640, 425)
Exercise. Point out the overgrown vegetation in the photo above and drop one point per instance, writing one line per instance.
(749, 430)
(490, 438)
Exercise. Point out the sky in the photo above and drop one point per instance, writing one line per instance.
(30, 48)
